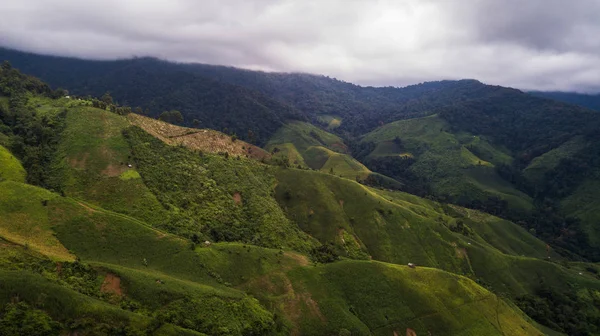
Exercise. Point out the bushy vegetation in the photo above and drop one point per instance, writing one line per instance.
(215, 197)
(574, 313)
(32, 137)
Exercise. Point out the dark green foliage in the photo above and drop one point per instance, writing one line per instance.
(33, 137)
(591, 101)
(216, 316)
(527, 125)
(20, 319)
(564, 311)
(172, 117)
(325, 253)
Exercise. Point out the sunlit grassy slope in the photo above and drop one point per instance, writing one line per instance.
(10, 167)
(311, 300)
(94, 164)
(448, 160)
(305, 145)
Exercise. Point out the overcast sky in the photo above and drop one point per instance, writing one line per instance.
(528, 44)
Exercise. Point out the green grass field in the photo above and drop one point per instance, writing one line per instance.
(10, 167)
(123, 251)
(304, 135)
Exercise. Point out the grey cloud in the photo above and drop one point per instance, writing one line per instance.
(533, 44)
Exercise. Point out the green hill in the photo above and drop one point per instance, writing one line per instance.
(152, 271)
(446, 160)
(304, 145)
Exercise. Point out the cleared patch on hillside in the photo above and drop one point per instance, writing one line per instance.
(205, 140)
(111, 285)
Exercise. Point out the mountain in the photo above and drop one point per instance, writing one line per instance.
(116, 223)
(498, 149)
(158, 86)
(218, 96)
(591, 101)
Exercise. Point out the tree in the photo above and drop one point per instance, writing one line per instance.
(6, 65)
(107, 99)
(22, 319)
(138, 110)
(196, 123)
(172, 117)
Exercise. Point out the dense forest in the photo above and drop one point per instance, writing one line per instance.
(591, 101)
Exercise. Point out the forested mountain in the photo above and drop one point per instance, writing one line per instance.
(115, 223)
(157, 86)
(149, 83)
(591, 101)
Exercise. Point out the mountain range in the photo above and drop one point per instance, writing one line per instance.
(286, 203)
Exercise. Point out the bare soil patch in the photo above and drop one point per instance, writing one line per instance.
(111, 285)
(237, 198)
(79, 163)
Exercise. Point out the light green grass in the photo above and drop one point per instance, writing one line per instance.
(309, 146)
(24, 219)
(384, 299)
(92, 165)
(331, 121)
(304, 135)
(10, 167)
(129, 175)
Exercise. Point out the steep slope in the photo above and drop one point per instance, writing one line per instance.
(93, 163)
(10, 167)
(228, 229)
(205, 140)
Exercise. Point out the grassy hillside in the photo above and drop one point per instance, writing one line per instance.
(459, 166)
(393, 226)
(10, 167)
(94, 164)
(142, 278)
(25, 219)
(548, 161)
(302, 144)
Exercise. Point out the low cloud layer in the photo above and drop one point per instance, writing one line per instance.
(533, 44)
